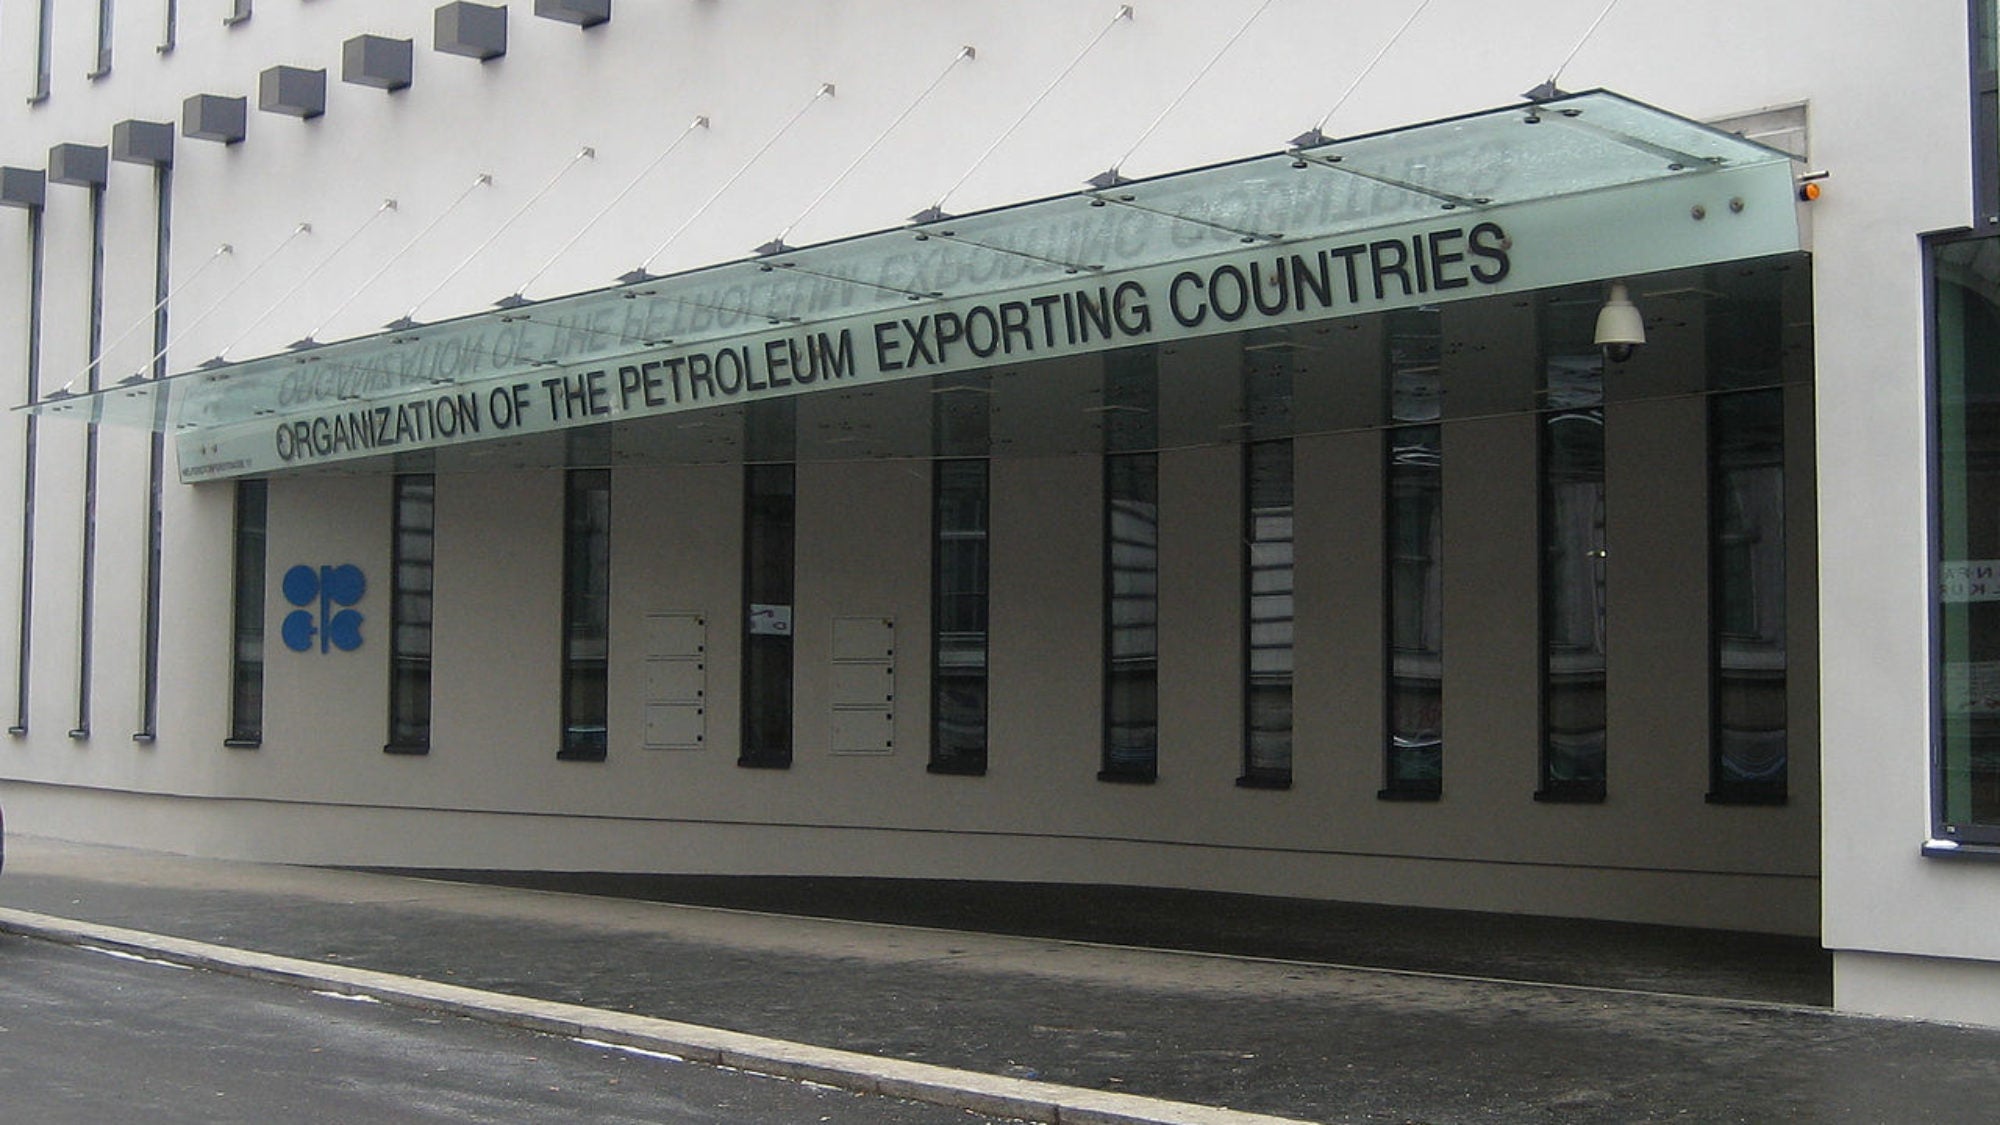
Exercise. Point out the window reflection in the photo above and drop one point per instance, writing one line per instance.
(1967, 367)
(246, 673)
(958, 590)
(1267, 534)
(410, 612)
(1747, 585)
(768, 510)
(586, 613)
(1416, 612)
(1573, 600)
(1132, 647)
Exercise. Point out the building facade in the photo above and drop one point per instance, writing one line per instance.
(1246, 446)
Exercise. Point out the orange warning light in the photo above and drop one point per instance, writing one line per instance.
(1809, 191)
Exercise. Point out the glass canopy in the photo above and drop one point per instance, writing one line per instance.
(1318, 189)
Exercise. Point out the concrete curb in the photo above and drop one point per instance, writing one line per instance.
(848, 1070)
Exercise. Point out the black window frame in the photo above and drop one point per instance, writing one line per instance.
(1259, 770)
(249, 573)
(412, 553)
(953, 680)
(1399, 782)
(586, 616)
(770, 530)
(1726, 786)
(1131, 690)
(1948, 836)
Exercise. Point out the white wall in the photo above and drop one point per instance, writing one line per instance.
(1886, 94)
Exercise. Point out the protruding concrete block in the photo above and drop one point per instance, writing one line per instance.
(378, 61)
(583, 13)
(79, 165)
(477, 31)
(292, 90)
(26, 188)
(143, 142)
(213, 117)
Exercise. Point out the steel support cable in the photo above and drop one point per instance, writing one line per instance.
(936, 210)
(777, 245)
(1318, 133)
(153, 313)
(1550, 88)
(484, 179)
(644, 270)
(518, 296)
(1112, 175)
(297, 232)
(386, 206)
(409, 319)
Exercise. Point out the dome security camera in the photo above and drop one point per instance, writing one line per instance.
(1620, 331)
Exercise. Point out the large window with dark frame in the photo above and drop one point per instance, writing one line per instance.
(1749, 763)
(1131, 647)
(246, 665)
(769, 512)
(958, 615)
(411, 571)
(1570, 464)
(1267, 614)
(1131, 616)
(1413, 558)
(1415, 610)
(586, 624)
(1964, 306)
(1266, 570)
(1965, 361)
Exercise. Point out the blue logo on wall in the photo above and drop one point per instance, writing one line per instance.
(329, 586)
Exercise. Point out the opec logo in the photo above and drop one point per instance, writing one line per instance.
(318, 591)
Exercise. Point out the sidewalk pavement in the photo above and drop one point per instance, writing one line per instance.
(1036, 1026)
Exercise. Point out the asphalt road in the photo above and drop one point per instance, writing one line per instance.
(92, 1038)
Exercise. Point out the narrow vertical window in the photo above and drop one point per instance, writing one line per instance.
(1415, 533)
(1267, 604)
(768, 518)
(103, 66)
(958, 615)
(410, 615)
(1131, 737)
(86, 624)
(1746, 520)
(586, 614)
(25, 622)
(1986, 112)
(1131, 617)
(170, 28)
(149, 640)
(1571, 469)
(44, 40)
(1413, 558)
(246, 666)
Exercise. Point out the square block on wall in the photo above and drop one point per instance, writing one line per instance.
(23, 187)
(79, 165)
(378, 61)
(583, 13)
(212, 117)
(292, 90)
(143, 142)
(477, 31)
